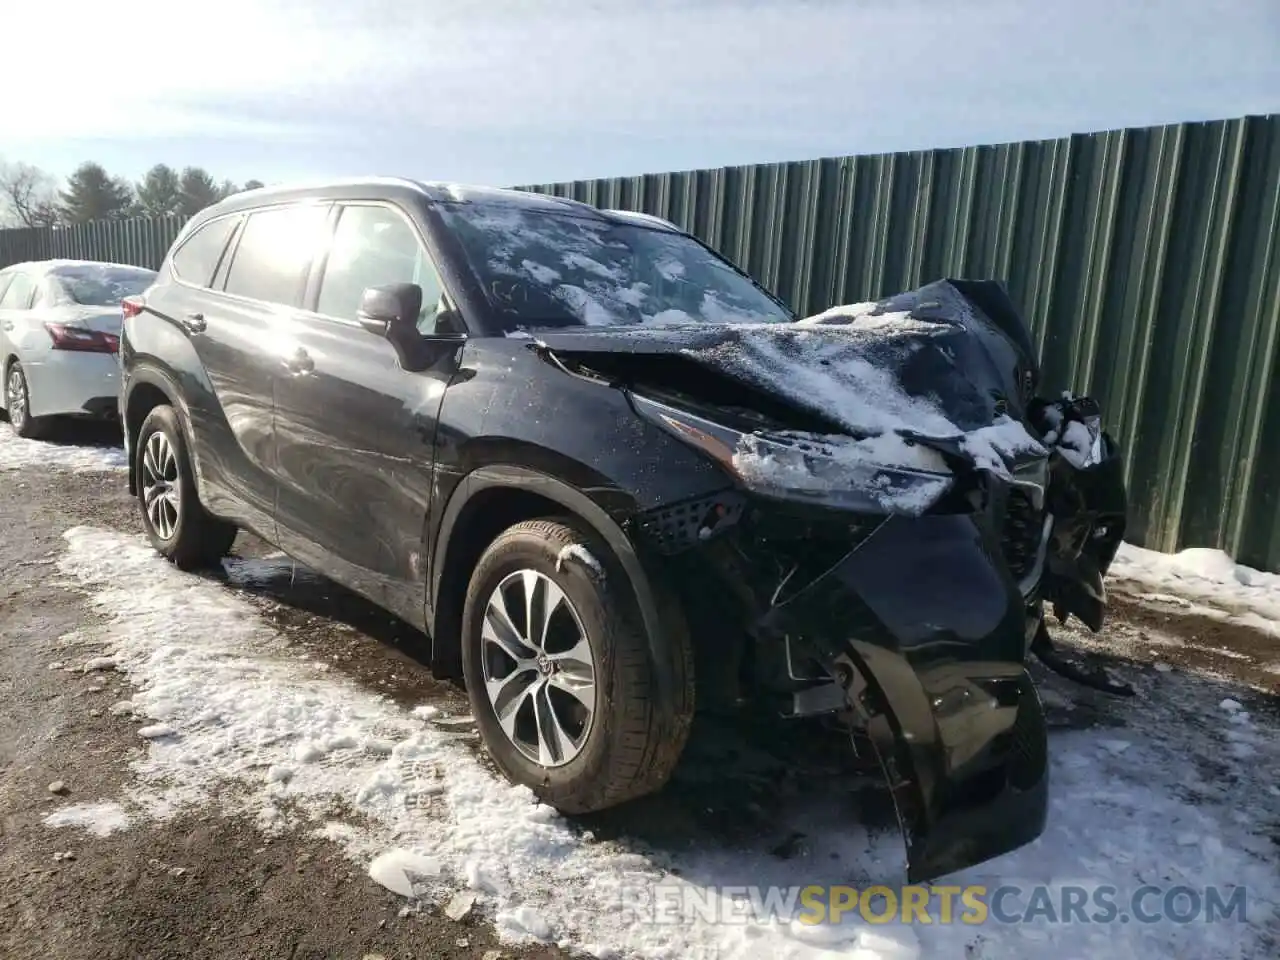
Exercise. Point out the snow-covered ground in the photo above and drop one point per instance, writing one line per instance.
(17, 454)
(1179, 789)
(1203, 581)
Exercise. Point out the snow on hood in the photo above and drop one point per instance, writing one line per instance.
(890, 378)
(897, 380)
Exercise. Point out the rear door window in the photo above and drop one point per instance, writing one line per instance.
(18, 296)
(274, 252)
(198, 257)
(374, 246)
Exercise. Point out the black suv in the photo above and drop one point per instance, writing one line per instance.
(593, 461)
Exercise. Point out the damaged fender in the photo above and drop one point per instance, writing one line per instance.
(1088, 502)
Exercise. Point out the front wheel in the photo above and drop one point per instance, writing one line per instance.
(17, 401)
(558, 672)
(176, 522)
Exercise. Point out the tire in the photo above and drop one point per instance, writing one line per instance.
(178, 526)
(624, 752)
(17, 401)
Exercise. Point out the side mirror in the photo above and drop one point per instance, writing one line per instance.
(390, 309)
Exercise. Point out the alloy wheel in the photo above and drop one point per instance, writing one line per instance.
(539, 671)
(16, 398)
(160, 491)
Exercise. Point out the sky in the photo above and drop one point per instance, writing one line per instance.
(527, 91)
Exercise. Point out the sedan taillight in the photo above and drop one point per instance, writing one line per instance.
(81, 339)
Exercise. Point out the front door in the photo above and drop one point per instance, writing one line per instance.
(355, 430)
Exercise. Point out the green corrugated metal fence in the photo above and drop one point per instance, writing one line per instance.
(1147, 262)
(142, 241)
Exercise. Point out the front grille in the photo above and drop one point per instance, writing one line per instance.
(1021, 533)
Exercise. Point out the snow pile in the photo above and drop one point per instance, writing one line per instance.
(1215, 584)
(579, 552)
(19, 454)
(100, 819)
(301, 747)
(1065, 430)
(868, 316)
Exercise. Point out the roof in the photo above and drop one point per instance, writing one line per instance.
(431, 191)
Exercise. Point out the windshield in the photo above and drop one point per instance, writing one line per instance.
(547, 269)
(101, 286)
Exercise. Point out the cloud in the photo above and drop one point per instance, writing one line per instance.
(690, 76)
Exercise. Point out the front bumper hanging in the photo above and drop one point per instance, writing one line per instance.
(931, 635)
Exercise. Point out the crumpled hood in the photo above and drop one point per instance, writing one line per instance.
(929, 365)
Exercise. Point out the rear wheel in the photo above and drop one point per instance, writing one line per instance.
(17, 400)
(558, 670)
(176, 522)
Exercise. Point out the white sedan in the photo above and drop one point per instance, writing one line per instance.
(59, 339)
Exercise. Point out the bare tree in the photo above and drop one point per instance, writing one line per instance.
(29, 195)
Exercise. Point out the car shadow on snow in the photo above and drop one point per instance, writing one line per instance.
(71, 432)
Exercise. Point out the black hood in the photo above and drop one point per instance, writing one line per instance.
(934, 364)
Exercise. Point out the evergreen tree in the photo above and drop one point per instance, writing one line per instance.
(198, 191)
(159, 192)
(92, 194)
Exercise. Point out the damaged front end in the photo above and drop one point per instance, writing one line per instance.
(911, 630)
(900, 509)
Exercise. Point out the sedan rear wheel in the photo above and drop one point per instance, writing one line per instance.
(17, 401)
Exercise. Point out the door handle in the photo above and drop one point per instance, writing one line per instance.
(6, 326)
(194, 323)
(300, 362)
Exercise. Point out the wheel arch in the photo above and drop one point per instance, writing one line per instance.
(149, 388)
(492, 498)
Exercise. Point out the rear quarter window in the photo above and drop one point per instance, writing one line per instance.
(274, 252)
(18, 294)
(195, 261)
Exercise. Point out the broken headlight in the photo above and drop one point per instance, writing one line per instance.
(884, 474)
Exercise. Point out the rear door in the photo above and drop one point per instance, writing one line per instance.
(262, 283)
(236, 275)
(354, 429)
